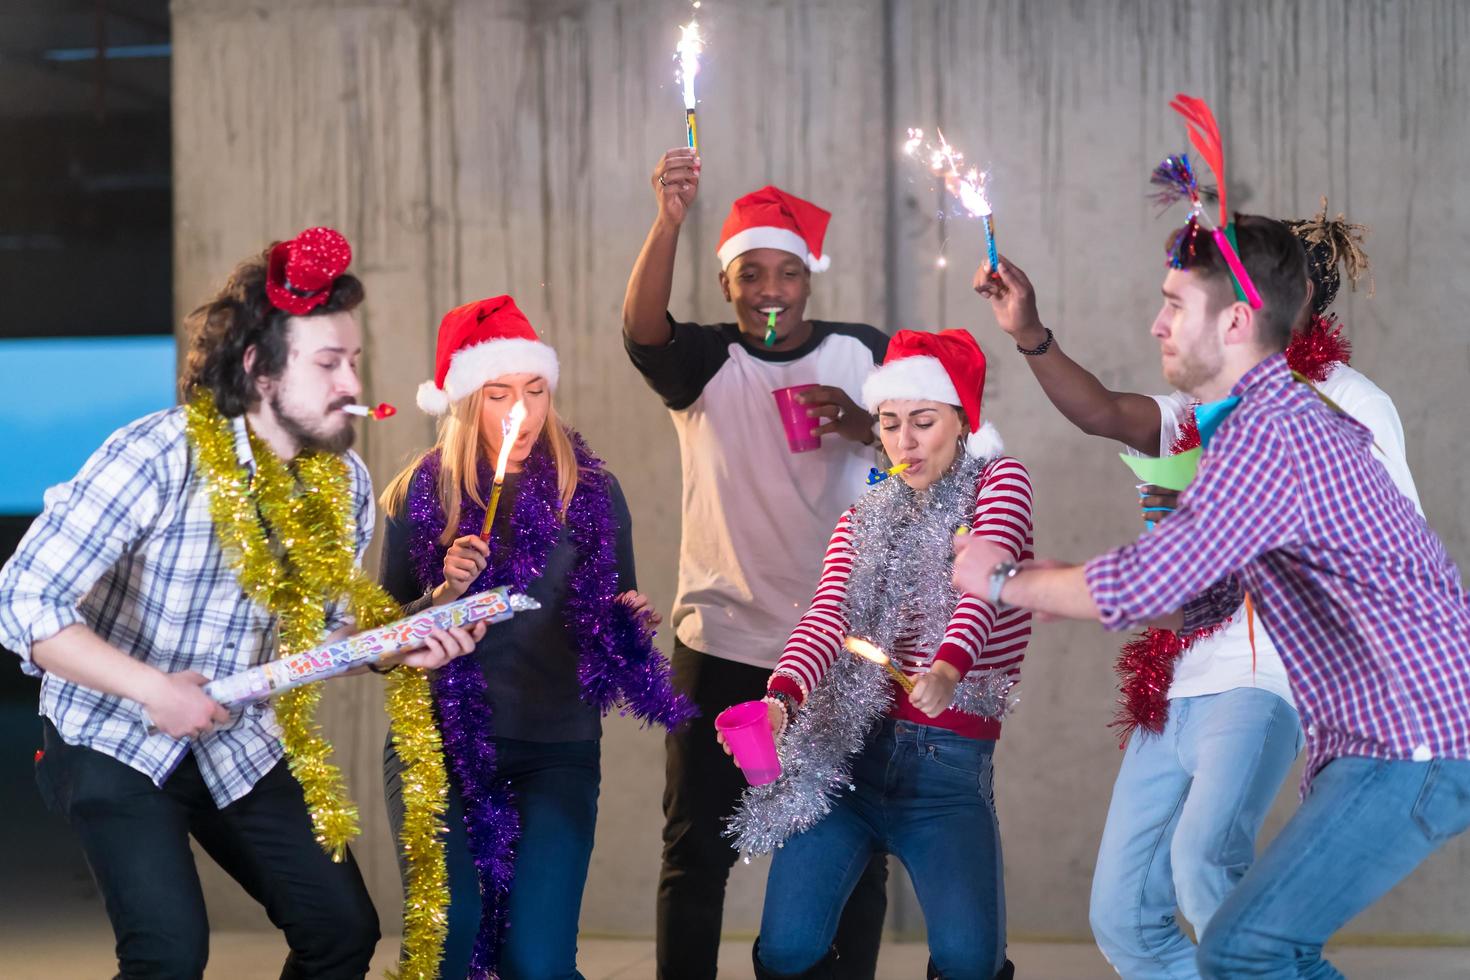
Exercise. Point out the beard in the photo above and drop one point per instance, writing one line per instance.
(315, 434)
(1189, 370)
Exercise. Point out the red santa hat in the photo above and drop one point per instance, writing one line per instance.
(772, 218)
(947, 367)
(479, 342)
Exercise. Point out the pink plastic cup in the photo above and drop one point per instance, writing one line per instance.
(794, 418)
(747, 730)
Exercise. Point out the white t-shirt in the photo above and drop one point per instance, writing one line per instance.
(756, 517)
(1222, 661)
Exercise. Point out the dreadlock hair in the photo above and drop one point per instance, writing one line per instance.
(1332, 243)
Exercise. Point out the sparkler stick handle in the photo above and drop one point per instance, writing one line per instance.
(490, 510)
(899, 676)
(990, 252)
(691, 130)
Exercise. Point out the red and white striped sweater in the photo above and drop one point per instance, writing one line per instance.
(976, 640)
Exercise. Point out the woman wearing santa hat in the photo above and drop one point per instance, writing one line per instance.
(869, 766)
(521, 718)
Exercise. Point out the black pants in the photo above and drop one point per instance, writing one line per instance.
(136, 838)
(701, 789)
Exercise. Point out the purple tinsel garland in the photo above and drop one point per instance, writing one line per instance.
(617, 661)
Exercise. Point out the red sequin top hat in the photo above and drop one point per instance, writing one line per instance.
(300, 274)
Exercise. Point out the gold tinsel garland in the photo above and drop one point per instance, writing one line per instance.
(425, 789)
(310, 511)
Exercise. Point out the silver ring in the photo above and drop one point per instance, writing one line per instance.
(661, 181)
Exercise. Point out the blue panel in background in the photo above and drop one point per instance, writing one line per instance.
(61, 398)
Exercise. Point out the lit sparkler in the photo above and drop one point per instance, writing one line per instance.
(688, 50)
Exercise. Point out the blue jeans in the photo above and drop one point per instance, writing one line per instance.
(555, 786)
(1365, 825)
(925, 795)
(1181, 829)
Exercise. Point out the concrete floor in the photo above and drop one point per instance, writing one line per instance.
(52, 925)
(62, 951)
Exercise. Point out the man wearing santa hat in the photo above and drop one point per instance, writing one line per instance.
(756, 516)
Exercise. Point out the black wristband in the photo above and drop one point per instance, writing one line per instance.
(1037, 351)
(383, 670)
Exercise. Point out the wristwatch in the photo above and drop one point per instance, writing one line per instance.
(999, 576)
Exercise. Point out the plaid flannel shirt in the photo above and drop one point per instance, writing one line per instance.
(1362, 599)
(128, 548)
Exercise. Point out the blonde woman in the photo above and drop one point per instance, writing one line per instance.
(521, 719)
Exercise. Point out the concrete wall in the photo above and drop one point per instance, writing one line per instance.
(470, 148)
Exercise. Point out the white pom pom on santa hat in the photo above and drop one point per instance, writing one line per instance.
(479, 342)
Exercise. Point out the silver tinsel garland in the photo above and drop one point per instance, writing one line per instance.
(899, 587)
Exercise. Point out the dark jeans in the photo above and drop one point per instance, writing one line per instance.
(701, 790)
(555, 785)
(136, 838)
(924, 794)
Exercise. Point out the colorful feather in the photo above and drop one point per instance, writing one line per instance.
(1204, 135)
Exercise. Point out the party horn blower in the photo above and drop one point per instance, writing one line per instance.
(770, 327)
(868, 651)
(510, 431)
(382, 411)
(688, 50)
(877, 476)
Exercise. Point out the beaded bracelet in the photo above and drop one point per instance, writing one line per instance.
(788, 708)
(1037, 351)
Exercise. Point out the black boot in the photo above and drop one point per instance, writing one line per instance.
(826, 968)
(1007, 972)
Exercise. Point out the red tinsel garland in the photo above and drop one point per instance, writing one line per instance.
(1145, 665)
(1319, 348)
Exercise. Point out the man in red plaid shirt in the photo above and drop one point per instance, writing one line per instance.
(1365, 605)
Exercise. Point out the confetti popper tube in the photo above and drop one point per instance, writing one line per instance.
(691, 129)
(368, 647)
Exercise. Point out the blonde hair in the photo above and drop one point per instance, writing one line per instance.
(461, 447)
